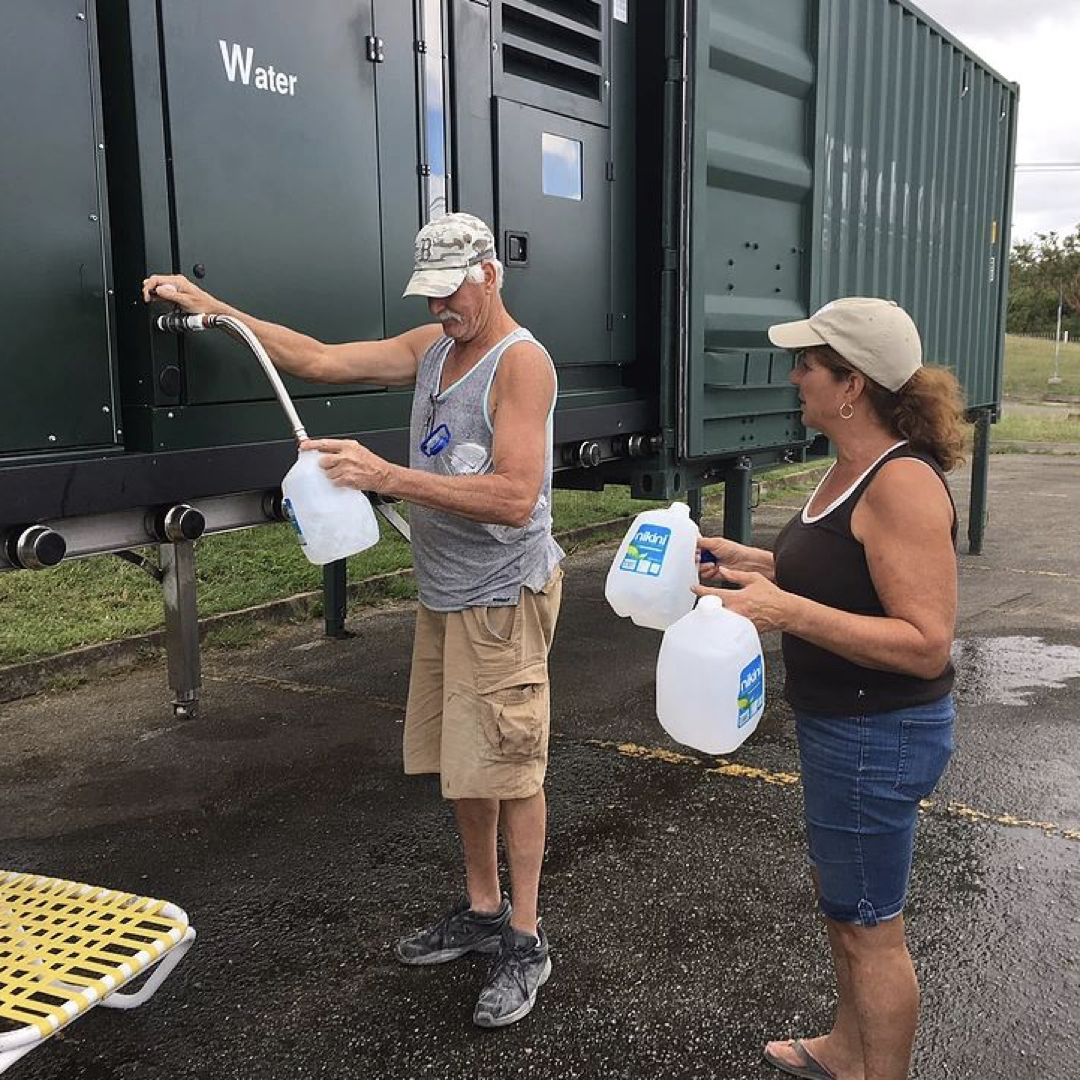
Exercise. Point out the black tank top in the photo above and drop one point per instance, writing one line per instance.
(823, 561)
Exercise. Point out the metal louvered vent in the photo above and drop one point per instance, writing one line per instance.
(558, 43)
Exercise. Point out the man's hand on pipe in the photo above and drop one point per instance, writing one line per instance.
(177, 289)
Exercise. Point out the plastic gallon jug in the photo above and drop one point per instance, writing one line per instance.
(710, 678)
(655, 568)
(331, 521)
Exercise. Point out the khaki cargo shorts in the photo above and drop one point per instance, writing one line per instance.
(479, 703)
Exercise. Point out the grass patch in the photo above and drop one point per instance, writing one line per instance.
(234, 635)
(401, 587)
(99, 599)
(63, 683)
(782, 483)
(1029, 363)
(1034, 429)
(102, 598)
(576, 509)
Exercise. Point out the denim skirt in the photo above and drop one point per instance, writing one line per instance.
(863, 778)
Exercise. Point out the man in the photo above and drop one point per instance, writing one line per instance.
(487, 567)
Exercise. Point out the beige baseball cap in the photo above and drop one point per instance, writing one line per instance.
(877, 337)
(445, 249)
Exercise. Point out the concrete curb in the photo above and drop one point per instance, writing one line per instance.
(113, 657)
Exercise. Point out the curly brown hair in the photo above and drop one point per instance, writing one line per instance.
(928, 410)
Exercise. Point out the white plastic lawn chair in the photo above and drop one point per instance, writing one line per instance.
(66, 947)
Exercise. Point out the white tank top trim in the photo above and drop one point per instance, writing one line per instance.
(808, 519)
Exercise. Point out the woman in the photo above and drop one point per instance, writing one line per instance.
(862, 583)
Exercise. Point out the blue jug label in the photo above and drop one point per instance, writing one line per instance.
(751, 691)
(645, 553)
(290, 514)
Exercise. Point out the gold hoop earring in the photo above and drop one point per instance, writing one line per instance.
(850, 410)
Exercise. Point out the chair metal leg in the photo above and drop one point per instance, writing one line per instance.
(9, 1057)
(127, 1000)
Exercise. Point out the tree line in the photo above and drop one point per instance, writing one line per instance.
(1040, 270)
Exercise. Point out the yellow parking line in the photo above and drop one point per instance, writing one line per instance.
(653, 753)
(748, 772)
(671, 757)
(958, 810)
(768, 776)
(1017, 570)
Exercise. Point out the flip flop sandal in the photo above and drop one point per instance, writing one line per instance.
(809, 1067)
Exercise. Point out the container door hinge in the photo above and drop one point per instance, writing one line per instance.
(674, 70)
(420, 46)
(611, 320)
(671, 258)
(609, 170)
(375, 49)
(423, 170)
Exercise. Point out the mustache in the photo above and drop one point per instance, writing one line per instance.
(449, 316)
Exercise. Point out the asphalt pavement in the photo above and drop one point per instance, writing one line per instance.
(676, 897)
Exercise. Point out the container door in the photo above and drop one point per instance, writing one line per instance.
(271, 113)
(554, 220)
(913, 203)
(551, 78)
(54, 350)
(747, 215)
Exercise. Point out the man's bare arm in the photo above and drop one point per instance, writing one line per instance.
(392, 362)
(524, 387)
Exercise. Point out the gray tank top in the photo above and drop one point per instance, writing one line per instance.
(461, 563)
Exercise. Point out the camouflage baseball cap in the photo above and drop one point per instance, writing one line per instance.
(445, 249)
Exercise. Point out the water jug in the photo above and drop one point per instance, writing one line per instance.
(710, 678)
(655, 568)
(331, 521)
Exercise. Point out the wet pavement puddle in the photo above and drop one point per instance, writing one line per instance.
(1011, 670)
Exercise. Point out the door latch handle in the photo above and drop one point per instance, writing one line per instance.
(516, 248)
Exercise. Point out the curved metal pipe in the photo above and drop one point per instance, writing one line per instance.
(177, 322)
(237, 329)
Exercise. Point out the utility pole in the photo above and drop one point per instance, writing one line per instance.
(1056, 378)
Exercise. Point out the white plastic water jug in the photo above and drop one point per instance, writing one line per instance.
(655, 568)
(331, 521)
(710, 678)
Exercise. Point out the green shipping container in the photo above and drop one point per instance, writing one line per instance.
(834, 148)
(665, 179)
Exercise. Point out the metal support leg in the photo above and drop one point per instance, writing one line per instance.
(181, 626)
(980, 478)
(738, 489)
(695, 500)
(334, 599)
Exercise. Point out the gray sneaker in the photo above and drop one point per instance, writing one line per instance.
(520, 969)
(461, 931)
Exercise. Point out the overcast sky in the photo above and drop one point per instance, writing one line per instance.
(1035, 44)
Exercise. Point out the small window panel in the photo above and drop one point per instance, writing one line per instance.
(562, 168)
